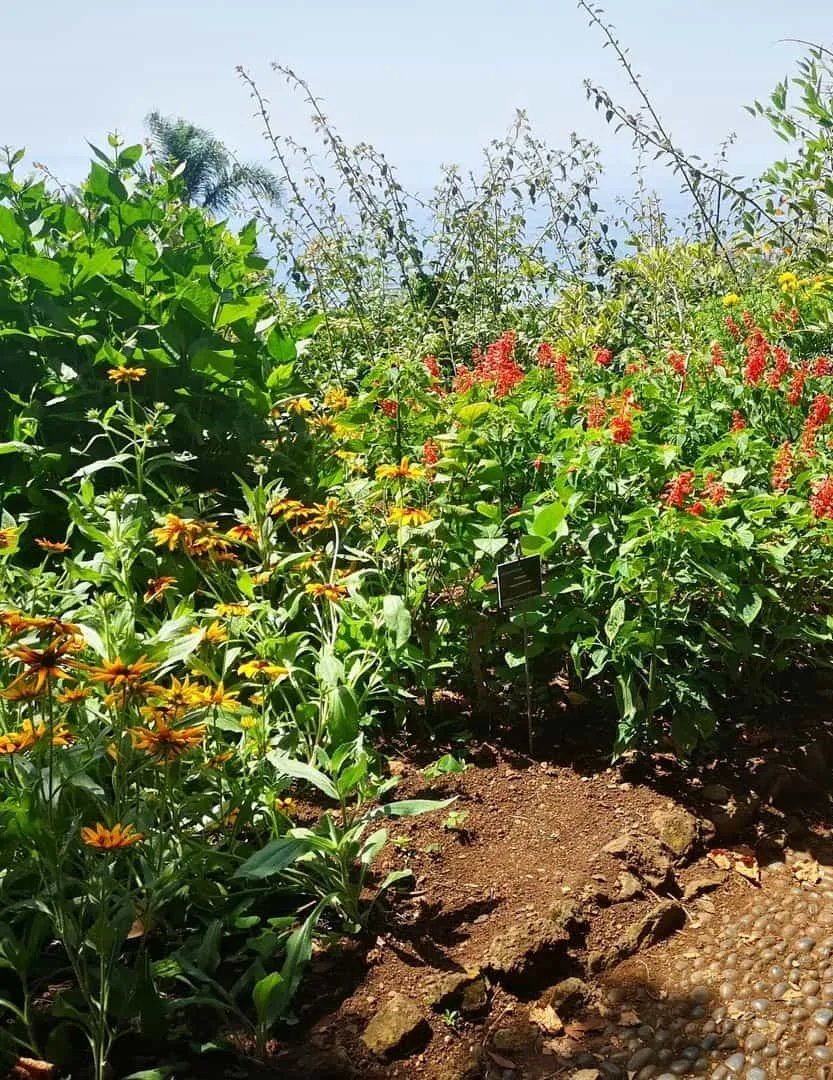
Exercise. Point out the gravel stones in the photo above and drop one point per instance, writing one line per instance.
(746, 997)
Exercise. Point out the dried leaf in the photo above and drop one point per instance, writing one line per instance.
(807, 870)
(137, 930)
(32, 1069)
(547, 1020)
(740, 859)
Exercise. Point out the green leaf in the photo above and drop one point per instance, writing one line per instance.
(307, 328)
(103, 261)
(749, 605)
(273, 858)
(214, 362)
(300, 770)
(734, 477)
(10, 231)
(46, 271)
(281, 346)
(409, 808)
(239, 309)
(397, 619)
(548, 518)
(490, 545)
(615, 619)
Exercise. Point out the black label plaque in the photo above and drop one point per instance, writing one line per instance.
(519, 580)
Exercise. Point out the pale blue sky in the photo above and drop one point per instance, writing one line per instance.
(427, 82)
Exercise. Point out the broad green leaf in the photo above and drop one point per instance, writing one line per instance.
(273, 858)
(214, 362)
(749, 605)
(615, 619)
(300, 770)
(47, 271)
(548, 518)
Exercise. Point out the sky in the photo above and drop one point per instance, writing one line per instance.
(427, 82)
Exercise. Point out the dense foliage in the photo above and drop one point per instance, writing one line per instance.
(252, 514)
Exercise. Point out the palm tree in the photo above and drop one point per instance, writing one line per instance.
(212, 177)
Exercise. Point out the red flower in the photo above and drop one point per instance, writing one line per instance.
(537, 463)
(389, 407)
(430, 452)
(797, 385)
(738, 422)
(823, 366)
(821, 501)
(819, 410)
(622, 428)
(596, 413)
(602, 356)
(718, 355)
(794, 315)
(545, 356)
(732, 327)
(713, 490)
(678, 490)
(678, 362)
(782, 473)
(563, 378)
(781, 368)
(498, 367)
(697, 508)
(432, 366)
(748, 321)
(757, 355)
(633, 368)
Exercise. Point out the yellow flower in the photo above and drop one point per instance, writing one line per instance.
(325, 424)
(221, 698)
(126, 374)
(120, 836)
(243, 532)
(215, 634)
(233, 610)
(253, 668)
(298, 406)
(408, 515)
(263, 577)
(788, 281)
(322, 590)
(730, 299)
(336, 399)
(286, 806)
(72, 695)
(7, 538)
(248, 722)
(403, 471)
(323, 516)
(41, 665)
(184, 694)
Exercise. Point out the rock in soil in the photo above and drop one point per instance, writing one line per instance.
(525, 952)
(397, 1027)
(644, 856)
(516, 1038)
(678, 832)
(733, 818)
(567, 996)
(702, 884)
(447, 991)
(662, 919)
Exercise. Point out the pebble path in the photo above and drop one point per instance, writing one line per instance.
(752, 1001)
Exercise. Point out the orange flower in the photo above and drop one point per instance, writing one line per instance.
(45, 664)
(126, 374)
(156, 587)
(178, 530)
(117, 674)
(164, 742)
(323, 516)
(57, 547)
(184, 694)
(22, 690)
(336, 399)
(29, 734)
(243, 532)
(323, 590)
(73, 695)
(298, 406)
(120, 836)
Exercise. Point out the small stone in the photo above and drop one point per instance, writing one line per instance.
(629, 887)
(516, 1038)
(677, 831)
(567, 996)
(522, 950)
(716, 793)
(703, 883)
(397, 1024)
(448, 990)
(735, 1063)
(475, 999)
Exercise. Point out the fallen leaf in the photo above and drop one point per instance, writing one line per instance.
(547, 1019)
(740, 859)
(137, 930)
(32, 1069)
(807, 870)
